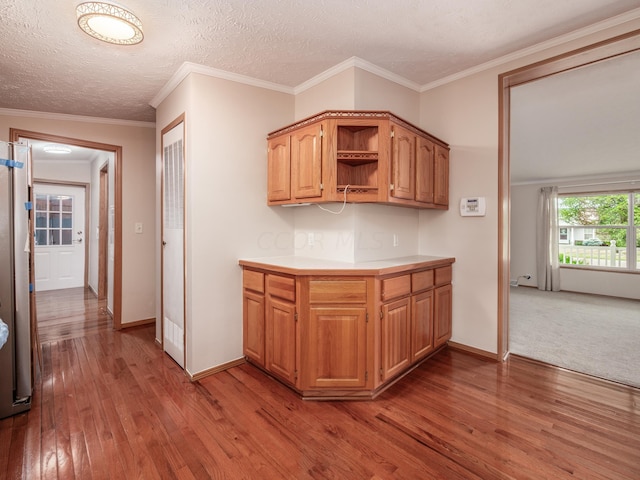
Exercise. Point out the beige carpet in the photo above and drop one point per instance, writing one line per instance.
(591, 334)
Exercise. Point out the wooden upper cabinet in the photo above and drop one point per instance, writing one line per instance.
(425, 164)
(279, 169)
(306, 162)
(441, 176)
(360, 156)
(403, 163)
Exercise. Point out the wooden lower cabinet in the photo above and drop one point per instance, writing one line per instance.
(442, 315)
(422, 325)
(344, 336)
(395, 338)
(336, 353)
(280, 349)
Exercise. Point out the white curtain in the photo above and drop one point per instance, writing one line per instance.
(547, 262)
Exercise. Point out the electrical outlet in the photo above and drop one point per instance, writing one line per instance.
(138, 227)
(396, 242)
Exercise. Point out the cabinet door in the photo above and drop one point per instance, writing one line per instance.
(441, 176)
(425, 164)
(281, 339)
(403, 163)
(442, 315)
(253, 327)
(421, 325)
(395, 341)
(337, 347)
(306, 162)
(279, 169)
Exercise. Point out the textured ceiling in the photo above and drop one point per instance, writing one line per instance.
(48, 64)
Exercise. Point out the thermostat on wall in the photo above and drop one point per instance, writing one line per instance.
(472, 207)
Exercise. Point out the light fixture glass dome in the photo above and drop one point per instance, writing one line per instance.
(109, 23)
(56, 148)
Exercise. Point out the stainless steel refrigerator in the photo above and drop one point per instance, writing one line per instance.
(15, 243)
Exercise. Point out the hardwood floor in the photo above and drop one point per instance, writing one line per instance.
(112, 405)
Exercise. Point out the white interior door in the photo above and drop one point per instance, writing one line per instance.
(59, 236)
(173, 243)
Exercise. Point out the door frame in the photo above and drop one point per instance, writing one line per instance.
(103, 234)
(606, 49)
(169, 127)
(15, 134)
(87, 213)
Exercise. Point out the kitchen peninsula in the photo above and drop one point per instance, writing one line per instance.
(340, 330)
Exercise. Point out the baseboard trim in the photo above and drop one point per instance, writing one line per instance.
(220, 368)
(473, 351)
(138, 323)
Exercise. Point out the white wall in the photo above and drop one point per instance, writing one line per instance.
(376, 93)
(335, 92)
(138, 151)
(227, 216)
(362, 232)
(464, 113)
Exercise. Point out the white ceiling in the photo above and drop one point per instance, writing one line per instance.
(47, 64)
(578, 124)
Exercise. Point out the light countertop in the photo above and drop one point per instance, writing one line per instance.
(316, 266)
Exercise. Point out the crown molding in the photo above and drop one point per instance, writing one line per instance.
(74, 118)
(354, 62)
(189, 67)
(554, 42)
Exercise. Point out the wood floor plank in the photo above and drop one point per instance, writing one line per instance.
(111, 405)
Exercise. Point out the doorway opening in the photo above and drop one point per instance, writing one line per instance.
(577, 59)
(108, 201)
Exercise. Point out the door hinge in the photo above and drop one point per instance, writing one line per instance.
(381, 373)
(391, 186)
(366, 317)
(321, 132)
(393, 134)
(295, 316)
(381, 314)
(295, 374)
(322, 186)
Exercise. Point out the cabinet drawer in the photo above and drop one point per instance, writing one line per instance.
(422, 280)
(443, 275)
(283, 287)
(337, 291)
(253, 280)
(395, 287)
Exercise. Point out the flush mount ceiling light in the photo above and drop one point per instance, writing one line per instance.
(109, 23)
(58, 149)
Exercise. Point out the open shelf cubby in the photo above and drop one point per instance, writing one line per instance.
(357, 157)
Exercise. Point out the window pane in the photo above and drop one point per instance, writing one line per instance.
(638, 248)
(54, 237)
(54, 204)
(67, 204)
(66, 237)
(41, 237)
(41, 202)
(595, 252)
(67, 220)
(636, 209)
(54, 220)
(594, 210)
(41, 219)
